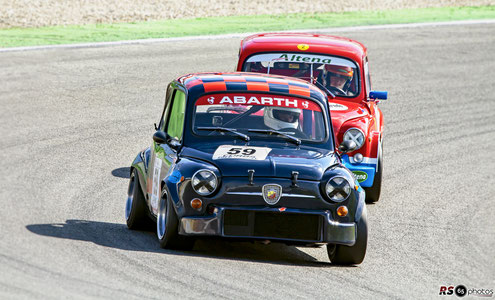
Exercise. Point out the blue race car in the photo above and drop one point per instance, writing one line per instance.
(248, 156)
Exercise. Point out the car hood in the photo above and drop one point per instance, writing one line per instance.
(280, 162)
(343, 111)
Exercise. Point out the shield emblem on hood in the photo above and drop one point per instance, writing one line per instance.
(272, 193)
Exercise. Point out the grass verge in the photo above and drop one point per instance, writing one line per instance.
(17, 37)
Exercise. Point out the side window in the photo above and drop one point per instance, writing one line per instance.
(177, 110)
(166, 109)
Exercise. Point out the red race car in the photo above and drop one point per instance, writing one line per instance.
(338, 66)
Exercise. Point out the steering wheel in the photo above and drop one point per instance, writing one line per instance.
(337, 90)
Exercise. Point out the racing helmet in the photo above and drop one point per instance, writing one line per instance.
(340, 71)
(281, 117)
(343, 72)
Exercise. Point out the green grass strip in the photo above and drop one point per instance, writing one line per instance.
(16, 37)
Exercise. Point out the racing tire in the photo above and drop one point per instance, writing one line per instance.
(135, 207)
(351, 255)
(373, 192)
(167, 225)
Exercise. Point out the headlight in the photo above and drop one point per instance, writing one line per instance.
(204, 182)
(338, 189)
(355, 135)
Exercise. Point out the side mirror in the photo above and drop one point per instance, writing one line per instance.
(347, 146)
(381, 95)
(160, 137)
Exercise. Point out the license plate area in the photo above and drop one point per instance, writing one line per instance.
(263, 224)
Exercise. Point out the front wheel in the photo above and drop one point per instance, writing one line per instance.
(351, 255)
(373, 192)
(167, 225)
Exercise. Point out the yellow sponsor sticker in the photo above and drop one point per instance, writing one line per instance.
(303, 47)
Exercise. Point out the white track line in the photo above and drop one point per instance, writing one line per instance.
(241, 35)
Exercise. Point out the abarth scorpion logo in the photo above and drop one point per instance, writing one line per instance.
(272, 193)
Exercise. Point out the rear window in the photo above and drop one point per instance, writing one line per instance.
(242, 112)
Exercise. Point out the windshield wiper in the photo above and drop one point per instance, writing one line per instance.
(224, 129)
(317, 83)
(271, 131)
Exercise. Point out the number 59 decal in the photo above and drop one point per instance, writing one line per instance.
(245, 151)
(241, 152)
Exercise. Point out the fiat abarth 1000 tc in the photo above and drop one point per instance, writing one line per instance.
(338, 66)
(248, 156)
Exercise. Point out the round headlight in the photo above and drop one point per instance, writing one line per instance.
(204, 182)
(355, 135)
(338, 189)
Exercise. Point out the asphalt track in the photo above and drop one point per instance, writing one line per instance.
(72, 120)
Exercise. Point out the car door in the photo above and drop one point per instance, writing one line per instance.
(163, 156)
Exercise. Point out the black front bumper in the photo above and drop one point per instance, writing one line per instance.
(267, 223)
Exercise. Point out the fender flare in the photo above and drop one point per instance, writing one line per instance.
(373, 149)
(181, 174)
(139, 165)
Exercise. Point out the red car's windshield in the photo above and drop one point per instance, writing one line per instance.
(337, 74)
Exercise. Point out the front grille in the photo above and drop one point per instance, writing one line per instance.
(293, 226)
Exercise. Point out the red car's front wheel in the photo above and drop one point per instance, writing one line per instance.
(373, 192)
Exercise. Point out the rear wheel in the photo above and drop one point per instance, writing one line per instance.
(373, 192)
(135, 207)
(167, 225)
(351, 255)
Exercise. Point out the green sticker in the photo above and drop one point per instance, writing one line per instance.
(360, 176)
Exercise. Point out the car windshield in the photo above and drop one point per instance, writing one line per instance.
(259, 116)
(337, 74)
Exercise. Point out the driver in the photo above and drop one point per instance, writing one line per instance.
(281, 117)
(339, 78)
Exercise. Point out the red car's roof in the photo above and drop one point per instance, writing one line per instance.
(316, 43)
